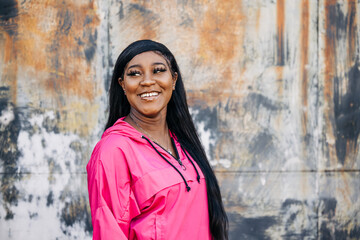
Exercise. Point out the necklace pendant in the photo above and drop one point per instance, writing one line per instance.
(169, 151)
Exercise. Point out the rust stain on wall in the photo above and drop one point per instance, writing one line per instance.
(258, 15)
(280, 54)
(329, 73)
(9, 76)
(351, 23)
(341, 88)
(304, 47)
(146, 18)
(62, 45)
(280, 21)
(52, 45)
(8, 27)
(218, 35)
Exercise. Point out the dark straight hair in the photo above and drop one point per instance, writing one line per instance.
(177, 112)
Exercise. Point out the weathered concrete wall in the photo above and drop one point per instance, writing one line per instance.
(274, 89)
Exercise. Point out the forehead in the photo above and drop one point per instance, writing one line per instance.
(147, 58)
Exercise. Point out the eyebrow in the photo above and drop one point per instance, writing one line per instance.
(138, 65)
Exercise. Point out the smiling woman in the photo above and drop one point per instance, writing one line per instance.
(148, 84)
(148, 177)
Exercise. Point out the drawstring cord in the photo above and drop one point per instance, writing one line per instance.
(197, 173)
(187, 186)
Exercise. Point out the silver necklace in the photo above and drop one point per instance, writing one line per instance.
(153, 139)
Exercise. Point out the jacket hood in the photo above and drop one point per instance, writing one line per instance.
(123, 128)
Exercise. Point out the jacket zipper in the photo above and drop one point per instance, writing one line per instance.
(176, 151)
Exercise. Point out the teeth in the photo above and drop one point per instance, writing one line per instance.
(149, 94)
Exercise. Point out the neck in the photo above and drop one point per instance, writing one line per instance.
(156, 126)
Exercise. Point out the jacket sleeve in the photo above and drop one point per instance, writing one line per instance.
(112, 201)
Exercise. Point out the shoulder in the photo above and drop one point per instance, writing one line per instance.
(109, 151)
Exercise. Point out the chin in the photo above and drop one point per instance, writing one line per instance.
(150, 112)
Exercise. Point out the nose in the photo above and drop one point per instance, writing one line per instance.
(147, 80)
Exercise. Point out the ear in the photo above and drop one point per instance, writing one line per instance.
(174, 80)
(122, 84)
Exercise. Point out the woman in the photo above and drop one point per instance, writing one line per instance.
(148, 177)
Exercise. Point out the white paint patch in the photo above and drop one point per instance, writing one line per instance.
(226, 163)
(263, 180)
(48, 165)
(6, 117)
(205, 137)
(42, 149)
(292, 164)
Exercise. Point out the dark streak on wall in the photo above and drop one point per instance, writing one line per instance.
(141, 9)
(346, 101)
(9, 153)
(149, 20)
(91, 46)
(50, 199)
(280, 14)
(293, 212)
(347, 113)
(77, 210)
(330, 228)
(207, 116)
(262, 146)
(256, 100)
(250, 228)
(121, 10)
(8, 10)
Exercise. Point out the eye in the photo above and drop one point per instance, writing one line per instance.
(133, 73)
(159, 70)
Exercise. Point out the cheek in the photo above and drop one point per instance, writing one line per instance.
(129, 85)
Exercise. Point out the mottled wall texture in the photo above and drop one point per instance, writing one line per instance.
(274, 89)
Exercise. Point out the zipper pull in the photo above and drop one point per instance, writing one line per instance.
(181, 164)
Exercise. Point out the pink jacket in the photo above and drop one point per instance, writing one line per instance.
(135, 194)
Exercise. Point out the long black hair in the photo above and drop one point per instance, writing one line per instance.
(177, 112)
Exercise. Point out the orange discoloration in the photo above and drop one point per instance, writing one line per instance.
(218, 31)
(223, 88)
(345, 190)
(329, 52)
(9, 48)
(304, 50)
(329, 73)
(9, 76)
(258, 15)
(280, 61)
(145, 17)
(57, 45)
(220, 41)
(149, 33)
(280, 19)
(352, 29)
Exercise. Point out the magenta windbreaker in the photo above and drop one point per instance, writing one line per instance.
(135, 194)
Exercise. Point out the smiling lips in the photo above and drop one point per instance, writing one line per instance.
(149, 94)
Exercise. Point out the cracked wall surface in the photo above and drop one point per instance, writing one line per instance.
(273, 88)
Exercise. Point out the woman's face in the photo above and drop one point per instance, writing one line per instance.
(148, 84)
